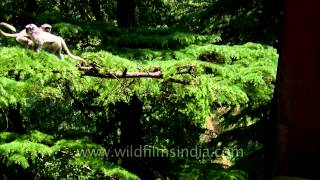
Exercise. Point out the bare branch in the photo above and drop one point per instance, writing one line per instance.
(92, 71)
(155, 73)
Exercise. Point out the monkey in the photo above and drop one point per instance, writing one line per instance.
(53, 43)
(46, 27)
(22, 36)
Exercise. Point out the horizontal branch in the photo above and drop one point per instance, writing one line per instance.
(92, 71)
(114, 75)
(156, 73)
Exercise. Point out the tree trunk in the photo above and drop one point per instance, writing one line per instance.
(15, 119)
(131, 137)
(96, 9)
(126, 13)
(299, 91)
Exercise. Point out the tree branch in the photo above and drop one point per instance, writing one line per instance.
(92, 71)
(155, 73)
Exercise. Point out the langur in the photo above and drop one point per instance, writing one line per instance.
(53, 43)
(46, 27)
(22, 36)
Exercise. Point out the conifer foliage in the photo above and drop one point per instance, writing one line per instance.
(61, 102)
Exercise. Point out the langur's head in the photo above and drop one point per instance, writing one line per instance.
(46, 27)
(31, 28)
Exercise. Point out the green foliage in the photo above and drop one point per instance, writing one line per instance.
(67, 29)
(108, 34)
(212, 57)
(56, 99)
(85, 153)
(21, 152)
(66, 158)
(59, 112)
(7, 137)
(72, 145)
(8, 94)
(20, 72)
(38, 137)
(105, 168)
(18, 160)
(250, 77)
(202, 172)
(164, 40)
(239, 21)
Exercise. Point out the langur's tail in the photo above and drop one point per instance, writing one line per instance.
(64, 46)
(9, 26)
(8, 35)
